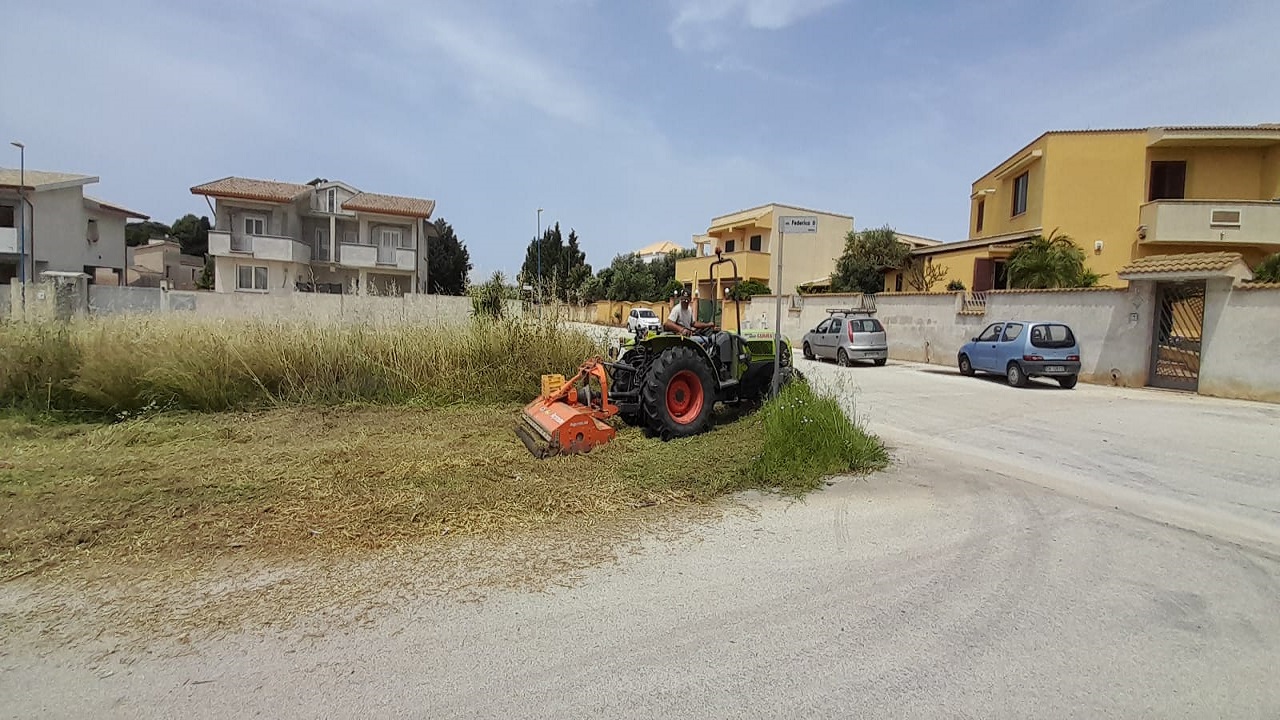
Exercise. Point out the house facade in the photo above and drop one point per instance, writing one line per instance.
(48, 224)
(324, 236)
(1123, 195)
(748, 237)
(161, 261)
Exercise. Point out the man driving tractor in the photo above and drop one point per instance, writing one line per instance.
(681, 320)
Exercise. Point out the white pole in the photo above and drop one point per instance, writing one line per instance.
(777, 318)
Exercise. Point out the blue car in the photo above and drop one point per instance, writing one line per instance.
(1019, 350)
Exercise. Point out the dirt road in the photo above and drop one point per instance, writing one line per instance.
(1036, 553)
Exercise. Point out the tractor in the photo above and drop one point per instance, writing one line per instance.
(661, 381)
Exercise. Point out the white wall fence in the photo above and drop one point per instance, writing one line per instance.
(105, 300)
(1241, 334)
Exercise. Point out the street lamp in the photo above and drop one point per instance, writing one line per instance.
(539, 239)
(22, 228)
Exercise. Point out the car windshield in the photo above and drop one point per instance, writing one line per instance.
(647, 314)
(1052, 336)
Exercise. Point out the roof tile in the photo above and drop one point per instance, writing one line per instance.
(1181, 263)
(390, 205)
(250, 189)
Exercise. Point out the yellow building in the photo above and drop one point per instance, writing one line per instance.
(748, 237)
(1122, 195)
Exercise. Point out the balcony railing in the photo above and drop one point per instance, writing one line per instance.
(386, 255)
(974, 302)
(1211, 222)
(262, 247)
(751, 265)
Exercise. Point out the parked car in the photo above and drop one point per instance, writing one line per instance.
(643, 319)
(846, 336)
(1021, 349)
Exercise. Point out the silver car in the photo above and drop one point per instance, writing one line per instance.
(847, 336)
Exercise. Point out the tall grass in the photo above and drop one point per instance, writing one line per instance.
(115, 367)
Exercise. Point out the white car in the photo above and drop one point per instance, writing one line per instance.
(643, 319)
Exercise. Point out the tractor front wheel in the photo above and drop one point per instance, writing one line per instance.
(678, 394)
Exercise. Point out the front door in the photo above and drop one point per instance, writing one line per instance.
(984, 349)
(1175, 352)
(831, 340)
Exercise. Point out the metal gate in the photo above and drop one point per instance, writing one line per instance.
(1175, 353)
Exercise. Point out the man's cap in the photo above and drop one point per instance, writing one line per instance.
(684, 294)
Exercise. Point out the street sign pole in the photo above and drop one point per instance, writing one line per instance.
(794, 224)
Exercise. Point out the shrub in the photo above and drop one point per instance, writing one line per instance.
(1268, 271)
(489, 299)
(955, 286)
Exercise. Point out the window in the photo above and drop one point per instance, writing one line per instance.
(255, 225)
(1224, 218)
(822, 326)
(756, 243)
(728, 245)
(8, 216)
(332, 201)
(991, 334)
(1168, 180)
(1012, 331)
(866, 325)
(897, 283)
(981, 212)
(251, 277)
(836, 325)
(1020, 187)
(350, 237)
(1000, 269)
(1052, 336)
(91, 232)
(391, 238)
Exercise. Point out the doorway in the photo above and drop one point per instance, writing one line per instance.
(1176, 345)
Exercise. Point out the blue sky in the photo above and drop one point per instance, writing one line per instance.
(631, 121)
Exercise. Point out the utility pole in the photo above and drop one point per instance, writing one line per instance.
(22, 221)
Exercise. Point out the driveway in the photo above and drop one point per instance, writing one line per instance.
(1036, 553)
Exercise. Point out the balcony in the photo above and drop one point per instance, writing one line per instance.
(377, 257)
(259, 247)
(751, 265)
(1211, 222)
(8, 240)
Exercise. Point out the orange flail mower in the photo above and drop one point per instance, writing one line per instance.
(568, 417)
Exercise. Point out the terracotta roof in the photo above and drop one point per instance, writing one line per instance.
(1181, 263)
(112, 207)
(42, 179)
(390, 205)
(663, 246)
(1258, 286)
(1020, 291)
(250, 189)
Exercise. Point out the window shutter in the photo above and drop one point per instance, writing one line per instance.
(983, 275)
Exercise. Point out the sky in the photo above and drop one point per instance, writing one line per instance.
(630, 121)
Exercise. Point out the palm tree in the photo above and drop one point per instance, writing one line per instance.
(1049, 262)
(1268, 271)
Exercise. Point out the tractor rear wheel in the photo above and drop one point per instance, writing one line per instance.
(678, 394)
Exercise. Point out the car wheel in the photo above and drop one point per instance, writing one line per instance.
(842, 358)
(881, 363)
(808, 352)
(1068, 382)
(966, 367)
(1014, 374)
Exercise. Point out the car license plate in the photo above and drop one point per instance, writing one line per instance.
(1054, 368)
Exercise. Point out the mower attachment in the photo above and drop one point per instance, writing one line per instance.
(567, 419)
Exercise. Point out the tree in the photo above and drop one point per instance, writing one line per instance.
(923, 274)
(139, 233)
(744, 290)
(591, 290)
(1268, 271)
(488, 300)
(631, 279)
(192, 233)
(867, 255)
(564, 265)
(206, 275)
(1049, 262)
(448, 261)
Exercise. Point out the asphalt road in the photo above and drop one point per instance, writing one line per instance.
(1033, 553)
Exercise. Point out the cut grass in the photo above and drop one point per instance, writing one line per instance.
(317, 481)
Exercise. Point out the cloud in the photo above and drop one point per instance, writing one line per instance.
(708, 24)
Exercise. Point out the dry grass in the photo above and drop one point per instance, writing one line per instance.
(193, 488)
(116, 367)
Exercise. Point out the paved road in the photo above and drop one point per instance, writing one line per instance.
(1038, 553)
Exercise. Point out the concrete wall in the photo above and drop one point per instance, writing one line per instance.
(111, 300)
(6, 302)
(110, 250)
(1241, 342)
(58, 235)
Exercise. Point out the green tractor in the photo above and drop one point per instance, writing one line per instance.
(669, 383)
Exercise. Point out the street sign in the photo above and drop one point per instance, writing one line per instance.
(798, 224)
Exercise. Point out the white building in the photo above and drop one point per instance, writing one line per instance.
(61, 228)
(325, 236)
